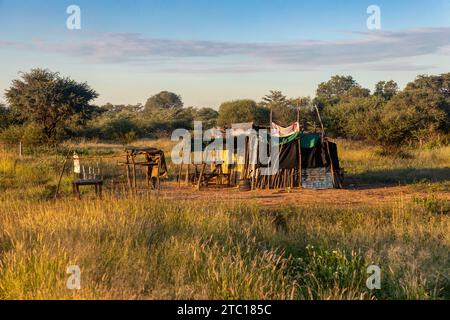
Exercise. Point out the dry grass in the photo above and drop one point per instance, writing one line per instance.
(146, 247)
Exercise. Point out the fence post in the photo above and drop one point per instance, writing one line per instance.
(20, 150)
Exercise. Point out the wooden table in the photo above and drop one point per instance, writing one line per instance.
(153, 157)
(87, 182)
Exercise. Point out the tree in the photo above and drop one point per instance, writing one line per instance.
(208, 116)
(419, 113)
(163, 100)
(386, 89)
(283, 110)
(113, 109)
(5, 119)
(50, 101)
(355, 118)
(239, 111)
(337, 89)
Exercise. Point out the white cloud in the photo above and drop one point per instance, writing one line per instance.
(368, 50)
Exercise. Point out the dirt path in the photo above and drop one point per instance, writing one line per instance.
(360, 195)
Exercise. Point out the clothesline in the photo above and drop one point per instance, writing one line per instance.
(94, 157)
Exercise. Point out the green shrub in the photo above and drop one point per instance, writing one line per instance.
(30, 135)
(329, 273)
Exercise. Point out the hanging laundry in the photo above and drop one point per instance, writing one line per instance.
(279, 131)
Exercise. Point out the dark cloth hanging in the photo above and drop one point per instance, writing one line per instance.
(334, 155)
(316, 157)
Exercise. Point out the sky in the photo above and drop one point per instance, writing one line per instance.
(211, 51)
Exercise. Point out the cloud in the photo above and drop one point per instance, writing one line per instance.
(366, 50)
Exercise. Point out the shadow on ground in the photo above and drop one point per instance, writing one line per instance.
(404, 176)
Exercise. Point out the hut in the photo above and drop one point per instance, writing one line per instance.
(305, 160)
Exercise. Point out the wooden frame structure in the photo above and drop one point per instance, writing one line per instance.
(291, 176)
(152, 159)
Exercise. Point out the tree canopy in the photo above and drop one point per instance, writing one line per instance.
(4, 116)
(163, 100)
(283, 109)
(391, 117)
(337, 89)
(50, 101)
(386, 89)
(238, 111)
(43, 106)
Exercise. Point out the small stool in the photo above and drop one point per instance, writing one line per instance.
(87, 182)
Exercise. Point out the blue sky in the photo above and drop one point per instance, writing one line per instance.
(213, 51)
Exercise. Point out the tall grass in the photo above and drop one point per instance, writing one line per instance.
(423, 168)
(145, 247)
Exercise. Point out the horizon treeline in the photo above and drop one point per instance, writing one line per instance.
(45, 108)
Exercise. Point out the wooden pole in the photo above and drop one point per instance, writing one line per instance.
(134, 174)
(270, 145)
(199, 183)
(187, 174)
(333, 173)
(60, 178)
(180, 172)
(20, 150)
(128, 172)
(158, 179)
(321, 123)
(299, 147)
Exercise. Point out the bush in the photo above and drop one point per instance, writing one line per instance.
(238, 111)
(30, 135)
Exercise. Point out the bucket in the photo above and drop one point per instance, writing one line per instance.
(244, 185)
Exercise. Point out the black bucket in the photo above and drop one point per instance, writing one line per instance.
(244, 185)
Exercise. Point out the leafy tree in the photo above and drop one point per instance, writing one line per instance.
(419, 113)
(238, 111)
(5, 118)
(356, 118)
(50, 101)
(337, 89)
(208, 116)
(163, 100)
(386, 89)
(284, 112)
(115, 122)
(121, 108)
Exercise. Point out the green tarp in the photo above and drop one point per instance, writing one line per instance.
(307, 140)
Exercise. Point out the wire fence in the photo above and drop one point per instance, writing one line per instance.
(12, 148)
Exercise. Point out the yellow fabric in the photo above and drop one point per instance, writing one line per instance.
(226, 164)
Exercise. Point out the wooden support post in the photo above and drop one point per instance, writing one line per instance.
(148, 176)
(128, 173)
(321, 124)
(299, 148)
(60, 177)
(270, 145)
(187, 174)
(20, 150)
(300, 162)
(158, 179)
(134, 174)
(199, 183)
(180, 172)
(77, 190)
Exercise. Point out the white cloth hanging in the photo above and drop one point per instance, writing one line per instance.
(76, 163)
(279, 131)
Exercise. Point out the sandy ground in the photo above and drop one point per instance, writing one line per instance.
(354, 195)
